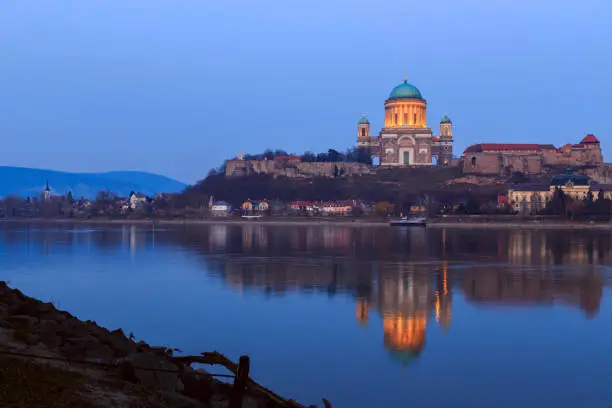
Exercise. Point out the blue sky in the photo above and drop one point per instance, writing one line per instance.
(174, 87)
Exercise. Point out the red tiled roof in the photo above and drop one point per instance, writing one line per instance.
(502, 147)
(589, 139)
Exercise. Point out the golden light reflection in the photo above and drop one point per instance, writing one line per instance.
(363, 310)
(405, 333)
(437, 306)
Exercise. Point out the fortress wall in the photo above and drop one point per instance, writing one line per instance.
(486, 163)
(245, 168)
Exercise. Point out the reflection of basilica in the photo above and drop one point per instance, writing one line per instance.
(406, 301)
(407, 278)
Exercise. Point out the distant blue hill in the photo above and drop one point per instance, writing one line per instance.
(28, 182)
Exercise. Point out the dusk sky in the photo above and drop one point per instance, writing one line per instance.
(175, 87)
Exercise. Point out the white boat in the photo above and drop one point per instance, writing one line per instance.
(252, 217)
(409, 222)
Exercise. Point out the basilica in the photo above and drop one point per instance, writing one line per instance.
(405, 138)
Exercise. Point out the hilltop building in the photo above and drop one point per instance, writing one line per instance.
(529, 158)
(405, 138)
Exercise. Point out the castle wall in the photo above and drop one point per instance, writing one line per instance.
(482, 163)
(245, 168)
(530, 161)
(525, 163)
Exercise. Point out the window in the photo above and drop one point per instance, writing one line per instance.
(395, 119)
(415, 122)
(363, 132)
(405, 118)
(473, 161)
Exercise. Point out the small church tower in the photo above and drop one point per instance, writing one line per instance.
(46, 192)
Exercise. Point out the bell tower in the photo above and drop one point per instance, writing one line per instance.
(363, 131)
(446, 127)
(444, 143)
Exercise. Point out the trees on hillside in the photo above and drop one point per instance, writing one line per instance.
(565, 206)
(352, 155)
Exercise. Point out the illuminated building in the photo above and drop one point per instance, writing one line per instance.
(405, 138)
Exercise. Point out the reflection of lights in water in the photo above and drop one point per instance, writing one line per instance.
(132, 241)
(444, 242)
(218, 236)
(124, 234)
(404, 336)
(445, 277)
(437, 306)
(363, 310)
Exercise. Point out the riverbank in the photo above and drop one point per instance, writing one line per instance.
(455, 222)
(49, 355)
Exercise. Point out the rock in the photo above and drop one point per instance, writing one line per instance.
(87, 340)
(51, 340)
(118, 342)
(48, 327)
(197, 385)
(143, 365)
(95, 330)
(161, 351)
(78, 347)
(21, 321)
(100, 353)
(32, 339)
(75, 351)
(70, 327)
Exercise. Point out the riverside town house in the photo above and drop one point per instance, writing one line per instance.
(532, 198)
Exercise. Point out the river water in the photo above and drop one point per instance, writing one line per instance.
(366, 317)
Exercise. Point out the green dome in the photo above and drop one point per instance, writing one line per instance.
(405, 90)
(363, 121)
(404, 356)
(445, 119)
(570, 177)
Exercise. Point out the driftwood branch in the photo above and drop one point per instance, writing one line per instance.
(215, 358)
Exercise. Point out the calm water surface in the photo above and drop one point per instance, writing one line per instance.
(370, 317)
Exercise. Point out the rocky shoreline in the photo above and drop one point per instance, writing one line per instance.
(49, 358)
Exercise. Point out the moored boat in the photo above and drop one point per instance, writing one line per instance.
(252, 217)
(409, 222)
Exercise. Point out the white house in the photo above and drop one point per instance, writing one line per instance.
(137, 200)
(220, 209)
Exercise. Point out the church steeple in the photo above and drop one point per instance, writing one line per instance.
(47, 191)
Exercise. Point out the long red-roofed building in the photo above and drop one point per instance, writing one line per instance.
(530, 158)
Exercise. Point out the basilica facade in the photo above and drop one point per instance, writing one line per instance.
(406, 139)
